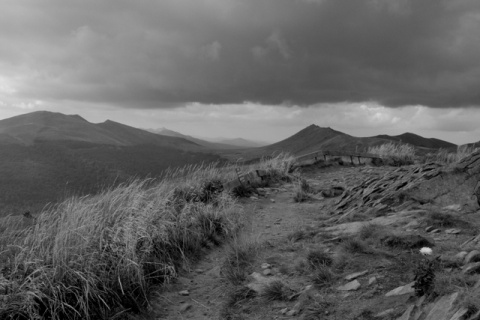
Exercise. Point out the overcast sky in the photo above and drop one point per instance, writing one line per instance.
(259, 69)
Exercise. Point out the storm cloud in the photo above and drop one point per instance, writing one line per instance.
(162, 54)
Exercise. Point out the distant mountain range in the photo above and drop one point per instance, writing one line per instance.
(314, 138)
(219, 143)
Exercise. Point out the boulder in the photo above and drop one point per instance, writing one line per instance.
(351, 286)
(473, 256)
(406, 289)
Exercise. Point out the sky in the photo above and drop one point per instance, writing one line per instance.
(257, 69)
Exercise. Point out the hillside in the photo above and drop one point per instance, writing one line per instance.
(206, 144)
(50, 126)
(419, 141)
(243, 143)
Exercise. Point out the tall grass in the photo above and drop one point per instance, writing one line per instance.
(397, 153)
(99, 256)
(445, 157)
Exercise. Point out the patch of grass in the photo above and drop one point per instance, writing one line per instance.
(317, 259)
(316, 309)
(446, 283)
(301, 196)
(301, 234)
(397, 154)
(323, 276)
(238, 295)
(371, 231)
(239, 261)
(355, 245)
(442, 220)
(471, 302)
(276, 290)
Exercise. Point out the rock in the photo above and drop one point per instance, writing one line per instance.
(412, 224)
(267, 272)
(442, 308)
(429, 228)
(406, 315)
(435, 231)
(253, 198)
(460, 257)
(473, 256)
(284, 311)
(185, 306)
(266, 265)
(406, 289)
(199, 270)
(272, 200)
(459, 314)
(384, 313)
(453, 231)
(258, 282)
(355, 275)
(453, 207)
(372, 280)
(184, 293)
(351, 286)
(292, 313)
(471, 268)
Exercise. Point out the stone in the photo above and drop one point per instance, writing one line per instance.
(284, 311)
(459, 314)
(442, 308)
(266, 265)
(460, 257)
(429, 228)
(384, 313)
(355, 275)
(453, 231)
(435, 231)
(406, 289)
(272, 200)
(253, 198)
(471, 268)
(473, 256)
(351, 286)
(453, 207)
(267, 272)
(185, 306)
(372, 280)
(258, 281)
(184, 293)
(407, 314)
(412, 224)
(292, 313)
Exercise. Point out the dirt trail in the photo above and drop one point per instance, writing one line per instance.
(271, 218)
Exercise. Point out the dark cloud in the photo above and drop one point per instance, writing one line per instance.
(165, 53)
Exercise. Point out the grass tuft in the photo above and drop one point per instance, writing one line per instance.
(276, 290)
(317, 259)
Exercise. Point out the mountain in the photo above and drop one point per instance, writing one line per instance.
(243, 143)
(314, 138)
(206, 144)
(50, 126)
(419, 141)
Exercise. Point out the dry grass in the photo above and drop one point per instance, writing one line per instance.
(445, 157)
(98, 256)
(398, 154)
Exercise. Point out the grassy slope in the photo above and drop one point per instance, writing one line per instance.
(32, 176)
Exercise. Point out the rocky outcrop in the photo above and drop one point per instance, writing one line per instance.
(426, 183)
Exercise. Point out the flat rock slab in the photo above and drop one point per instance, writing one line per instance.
(471, 268)
(355, 275)
(453, 231)
(406, 315)
(406, 289)
(442, 310)
(473, 256)
(258, 282)
(351, 286)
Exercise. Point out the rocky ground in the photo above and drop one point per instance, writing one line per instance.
(349, 250)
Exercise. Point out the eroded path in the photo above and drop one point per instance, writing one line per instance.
(270, 220)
